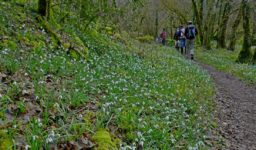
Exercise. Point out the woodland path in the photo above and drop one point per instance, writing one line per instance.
(236, 110)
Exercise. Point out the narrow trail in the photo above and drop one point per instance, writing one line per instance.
(236, 110)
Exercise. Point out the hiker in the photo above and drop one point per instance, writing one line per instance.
(176, 38)
(190, 33)
(182, 40)
(163, 36)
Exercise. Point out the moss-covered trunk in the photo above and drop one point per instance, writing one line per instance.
(209, 24)
(223, 26)
(254, 23)
(245, 55)
(254, 57)
(198, 17)
(44, 8)
(234, 31)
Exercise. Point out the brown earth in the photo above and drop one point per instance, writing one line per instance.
(236, 110)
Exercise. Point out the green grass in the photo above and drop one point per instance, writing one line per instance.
(126, 93)
(225, 60)
(162, 100)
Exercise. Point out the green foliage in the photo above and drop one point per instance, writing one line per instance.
(8, 44)
(78, 48)
(226, 61)
(5, 141)
(21, 107)
(171, 42)
(14, 91)
(38, 46)
(146, 39)
(254, 57)
(138, 92)
(104, 140)
(245, 55)
(34, 133)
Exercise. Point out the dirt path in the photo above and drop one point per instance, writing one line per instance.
(236, 110)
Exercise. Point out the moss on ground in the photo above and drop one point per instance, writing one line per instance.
(104, 141)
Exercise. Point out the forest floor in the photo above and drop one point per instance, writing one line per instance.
(236, 110)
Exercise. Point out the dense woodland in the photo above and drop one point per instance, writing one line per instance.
(89, 74)
(217, 20)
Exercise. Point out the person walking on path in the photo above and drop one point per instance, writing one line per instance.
(176, 38)
(182, 39)
(163, 36)
(190, 33)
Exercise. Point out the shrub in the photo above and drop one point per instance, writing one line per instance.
(146, 39)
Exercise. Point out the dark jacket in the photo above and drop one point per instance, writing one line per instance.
(187, 32)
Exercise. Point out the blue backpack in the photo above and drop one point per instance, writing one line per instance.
(191, 32)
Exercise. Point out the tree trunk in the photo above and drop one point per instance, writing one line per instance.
(245, 54)
(156, 24)
(198, 17)
(114, 4)
(223, 26)
(209, 24)
(44, 8)
(234, 31)
(254, 32)
(254, 23)
(254, 57)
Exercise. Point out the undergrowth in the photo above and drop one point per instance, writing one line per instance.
(126, 95)
(225, 60)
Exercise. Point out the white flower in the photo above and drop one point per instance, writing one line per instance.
(60, 97)
(34, 137)
(119, 109)
(139, 134)
(41, 82)
(49, 140)
(150, 130)
(141, 143)
(27, 147)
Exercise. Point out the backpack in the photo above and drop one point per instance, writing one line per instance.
(176, 35)
(191, 32)
(180, 33)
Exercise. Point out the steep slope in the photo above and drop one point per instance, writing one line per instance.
(127, 94)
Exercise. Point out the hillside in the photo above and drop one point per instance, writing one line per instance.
(123, 94)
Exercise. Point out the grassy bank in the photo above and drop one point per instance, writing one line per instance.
(226, 61)
(126, 94)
